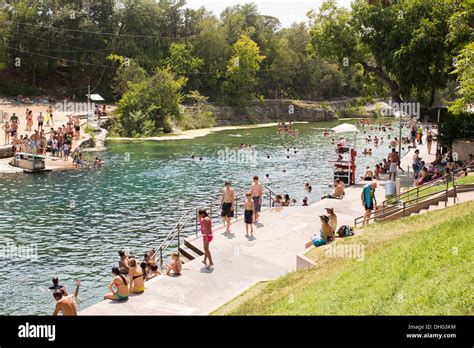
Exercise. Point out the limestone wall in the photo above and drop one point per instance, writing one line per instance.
(463, 148)
(6, 151)
(270, 111)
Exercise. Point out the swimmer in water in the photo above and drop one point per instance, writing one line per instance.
(193, 157)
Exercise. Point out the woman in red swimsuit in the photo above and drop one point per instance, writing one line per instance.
(206, 230)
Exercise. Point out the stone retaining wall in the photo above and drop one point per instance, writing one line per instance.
(269, 111)
(6, 151)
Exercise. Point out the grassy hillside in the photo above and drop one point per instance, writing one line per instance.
(423, 266)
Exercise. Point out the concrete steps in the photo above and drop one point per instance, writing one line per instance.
(189, 249)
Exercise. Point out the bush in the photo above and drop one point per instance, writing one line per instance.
(168, 124)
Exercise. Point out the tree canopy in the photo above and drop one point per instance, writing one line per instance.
(405, 49)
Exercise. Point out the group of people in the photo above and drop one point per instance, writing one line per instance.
(287, 128)
(329, 229)
(57, 141)
(138, 273)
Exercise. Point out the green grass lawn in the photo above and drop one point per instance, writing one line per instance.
(422, 265)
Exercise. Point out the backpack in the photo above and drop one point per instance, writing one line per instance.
(345, 231)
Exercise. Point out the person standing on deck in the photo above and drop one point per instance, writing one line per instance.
(394, 160)
(257, 194)
(429, 141)
(206, 231)
(227, 203)
(368, 200)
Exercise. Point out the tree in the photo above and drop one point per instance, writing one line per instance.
(241, 72)
(465, 77)
(150, 105)
(129, 72)
(182, 61)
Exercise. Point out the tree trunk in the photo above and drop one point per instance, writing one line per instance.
(432, 97)
(393, 85)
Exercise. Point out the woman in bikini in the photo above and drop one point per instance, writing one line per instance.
(6, 128)
(206, 230)
(136, 277)
(324, 235)
(120, 283)
(29, 121)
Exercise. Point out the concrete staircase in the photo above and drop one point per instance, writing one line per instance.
(189, 249)
(461, 197)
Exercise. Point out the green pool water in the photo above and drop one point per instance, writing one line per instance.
(78, 220)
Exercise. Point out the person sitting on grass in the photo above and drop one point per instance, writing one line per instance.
(121, 285)
(324, 235)
(338, 191)
(136, 277)
(154, 272)
(332, 221)
(175, 266)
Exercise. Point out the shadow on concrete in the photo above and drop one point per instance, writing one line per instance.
(229, 235)
(207, 270)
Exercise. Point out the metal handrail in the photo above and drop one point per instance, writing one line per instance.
(406, 204)
(427, 185)
(175, 232)
(270, 195)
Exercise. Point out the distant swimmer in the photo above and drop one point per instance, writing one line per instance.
(98, 162)
(56, 285)
(193, 157)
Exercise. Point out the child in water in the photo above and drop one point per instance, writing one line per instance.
(248, 215)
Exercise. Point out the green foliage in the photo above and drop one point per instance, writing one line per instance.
(241, 72)
(404, 50)
(149, 106)
(129, 72)
(454, 127)
(465, 77)
(182, 61)
(198, 115)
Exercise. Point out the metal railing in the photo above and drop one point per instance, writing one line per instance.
(395, 205)
(190, 220)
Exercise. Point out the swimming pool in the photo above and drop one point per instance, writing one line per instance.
(78, 220)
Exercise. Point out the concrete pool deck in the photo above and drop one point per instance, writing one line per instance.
(240, 263)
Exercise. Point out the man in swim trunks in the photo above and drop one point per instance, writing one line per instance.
(65, 302)
(368, 200)
(394, 159)
(227, 203)
(257, 197)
